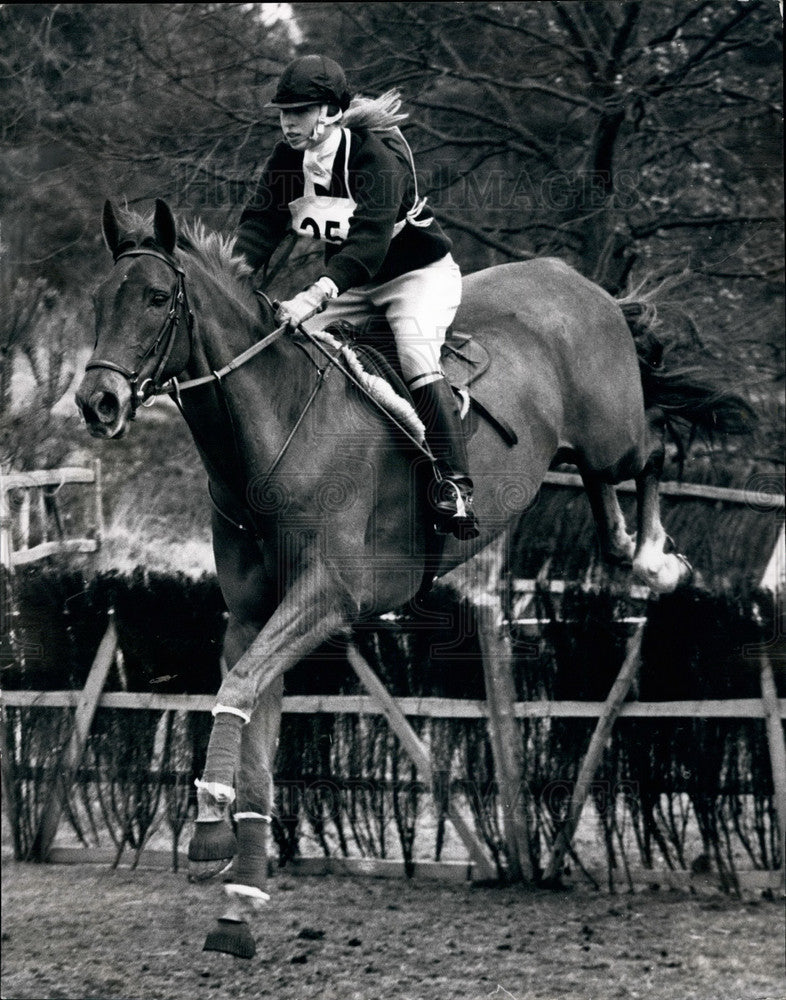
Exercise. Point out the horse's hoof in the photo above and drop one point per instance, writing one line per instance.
(212, 841)
(232, 937)
(673, 571)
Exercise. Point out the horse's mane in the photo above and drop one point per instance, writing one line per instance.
(215, 251)
(375, 113)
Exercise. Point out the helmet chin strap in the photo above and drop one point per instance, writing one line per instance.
(322, 121)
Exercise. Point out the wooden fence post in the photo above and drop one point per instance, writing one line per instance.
(8, 770)
(589, 766)
(99, 501)
(772, 713)
(71, 758)
(505, 734)
(6, 538)
(420, 756)
(773, 580)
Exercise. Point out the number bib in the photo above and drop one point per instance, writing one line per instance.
(321, 217)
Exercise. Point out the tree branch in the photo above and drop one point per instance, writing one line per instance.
(696, 59)
(529, 143)
(557, 43)
(581, 43)
(673, 30)
(523, 86)
(483, 236)
(642, 230)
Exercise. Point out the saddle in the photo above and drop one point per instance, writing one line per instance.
(464, 361)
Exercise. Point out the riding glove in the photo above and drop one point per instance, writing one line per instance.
(307, 303)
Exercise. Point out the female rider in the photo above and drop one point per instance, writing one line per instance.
(344, 176)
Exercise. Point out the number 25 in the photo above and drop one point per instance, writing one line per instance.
(331, 236)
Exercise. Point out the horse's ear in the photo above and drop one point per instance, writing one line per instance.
(164, 227)
(110, 228)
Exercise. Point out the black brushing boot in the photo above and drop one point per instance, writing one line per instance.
(452, 498)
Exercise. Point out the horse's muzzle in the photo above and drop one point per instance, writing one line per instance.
(104, 400)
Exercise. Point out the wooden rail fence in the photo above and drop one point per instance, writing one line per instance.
(37, 492)
(430, 708)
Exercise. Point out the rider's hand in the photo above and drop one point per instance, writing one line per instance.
(304, 305)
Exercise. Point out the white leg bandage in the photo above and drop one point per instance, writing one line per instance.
(231, 711)
(223, 794)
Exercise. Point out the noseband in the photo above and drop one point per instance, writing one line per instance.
(149, 387)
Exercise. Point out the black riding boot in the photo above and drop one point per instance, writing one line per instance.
(452, 497)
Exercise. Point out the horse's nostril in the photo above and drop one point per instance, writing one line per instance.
(106, 406)
(100, 410)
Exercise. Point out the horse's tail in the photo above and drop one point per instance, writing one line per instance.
(692, 393)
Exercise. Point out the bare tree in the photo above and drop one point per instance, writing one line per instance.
(612, 133)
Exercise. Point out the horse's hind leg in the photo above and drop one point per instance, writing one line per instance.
(617, 546)
(653, 566)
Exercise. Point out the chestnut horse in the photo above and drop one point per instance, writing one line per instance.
(318, 516)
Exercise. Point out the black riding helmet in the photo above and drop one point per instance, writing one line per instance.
(311, 80)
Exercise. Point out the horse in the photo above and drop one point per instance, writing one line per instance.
(318, 517)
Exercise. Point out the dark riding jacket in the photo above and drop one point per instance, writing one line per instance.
(383, 187)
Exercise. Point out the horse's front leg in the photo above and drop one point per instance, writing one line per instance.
(246, 884)
(308, 616)
(214, 844)
(311, 612)
(242, 743)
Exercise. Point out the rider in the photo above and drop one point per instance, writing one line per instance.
(345, 176)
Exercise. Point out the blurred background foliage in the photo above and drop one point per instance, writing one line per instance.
(639, 141)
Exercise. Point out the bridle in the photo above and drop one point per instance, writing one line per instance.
(144, 389)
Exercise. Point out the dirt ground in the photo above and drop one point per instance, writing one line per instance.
(86, 931)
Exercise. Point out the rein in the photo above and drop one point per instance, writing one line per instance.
(173, 385)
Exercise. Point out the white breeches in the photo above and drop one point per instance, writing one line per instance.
(419, 307)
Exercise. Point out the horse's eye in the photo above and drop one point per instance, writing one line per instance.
(159, 298)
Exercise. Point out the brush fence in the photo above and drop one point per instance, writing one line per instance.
(106, 758)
